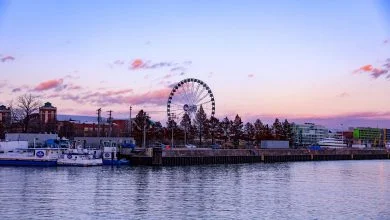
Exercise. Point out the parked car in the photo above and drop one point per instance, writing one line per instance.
(190, 146)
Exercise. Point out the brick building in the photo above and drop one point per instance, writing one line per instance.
(5, 115)
(48, 118)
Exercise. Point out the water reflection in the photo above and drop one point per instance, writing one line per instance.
(302, 190)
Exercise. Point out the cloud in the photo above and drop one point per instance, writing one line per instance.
(158, 97)
(375, 72)
(120, 97)
(137, 64)
(167, 76)
(73, 87)
(69, 76)
(119, 62)
(385, 41)
(7, 58)
(387, 64)
(352, 119)
(140, 64)
(16, 90)
(50, 84)
(251, 75)
(365, 68)
(160, 65)
(342, 95)
(118, 92)
(179, 68)
(3, 83)
(378, 72)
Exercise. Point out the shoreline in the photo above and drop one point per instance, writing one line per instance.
(183, 157)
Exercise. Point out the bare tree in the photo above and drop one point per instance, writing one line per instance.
(27, 105)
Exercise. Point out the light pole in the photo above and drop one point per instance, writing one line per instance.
(130, 123)
(144, 133)
(173, 116)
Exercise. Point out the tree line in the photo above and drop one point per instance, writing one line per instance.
(205, 131)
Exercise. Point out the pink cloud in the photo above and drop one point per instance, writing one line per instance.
(7, 58)
(118, 92)
(141, 64)
(374, 71)
(251, 75)
(50, 84)
(158, 97)
(137, 64)
(365, 68)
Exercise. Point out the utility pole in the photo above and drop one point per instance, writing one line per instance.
(130, 123)
(99, 112)
(110, 122)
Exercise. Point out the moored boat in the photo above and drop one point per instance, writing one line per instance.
(332, 143)
(78, 159)
(110, 155)
(17, 153)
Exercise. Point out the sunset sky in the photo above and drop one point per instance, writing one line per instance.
(316, 61)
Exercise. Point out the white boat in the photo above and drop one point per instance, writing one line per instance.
(17, 153)
(77, 157)
(332, 143)
(110, 155)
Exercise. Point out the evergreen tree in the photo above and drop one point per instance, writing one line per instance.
(237, 131)
(214, 127)
(249, 131)
(141, 122)
(201, 123)
(156, 132)
(173, 129)
(226, 128)
(259, 131)
(268, 133)
(288, 132)
(277, 130)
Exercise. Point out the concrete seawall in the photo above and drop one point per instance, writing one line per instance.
(176, 157)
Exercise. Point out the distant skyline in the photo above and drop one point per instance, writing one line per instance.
(315, 61)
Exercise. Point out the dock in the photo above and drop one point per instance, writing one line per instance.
(180, 157)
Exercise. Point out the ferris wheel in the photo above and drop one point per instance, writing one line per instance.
(187, 96)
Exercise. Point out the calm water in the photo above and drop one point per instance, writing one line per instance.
(302, 190)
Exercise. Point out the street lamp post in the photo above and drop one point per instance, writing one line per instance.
(144, 133)
(173, 116)
(130, 123)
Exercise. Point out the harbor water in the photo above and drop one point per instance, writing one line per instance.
(299, 190)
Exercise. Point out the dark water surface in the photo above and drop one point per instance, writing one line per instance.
(301, 190)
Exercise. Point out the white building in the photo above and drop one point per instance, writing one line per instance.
(309, 133)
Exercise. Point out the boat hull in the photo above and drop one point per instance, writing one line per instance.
(88, 163)
(15, 162)
(115, 162)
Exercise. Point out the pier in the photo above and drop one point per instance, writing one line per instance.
(180, 157)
